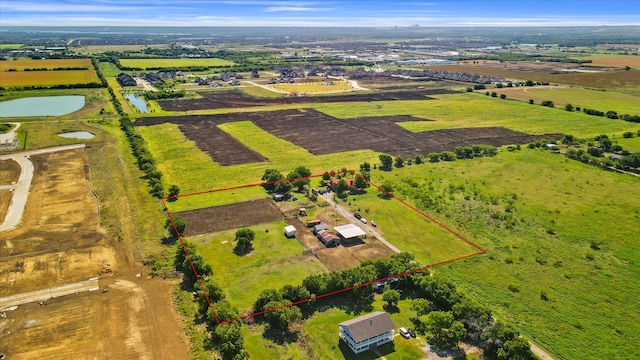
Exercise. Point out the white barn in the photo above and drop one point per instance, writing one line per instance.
(375, 329)
(290, 231)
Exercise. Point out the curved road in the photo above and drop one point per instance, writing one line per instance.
(21, 188)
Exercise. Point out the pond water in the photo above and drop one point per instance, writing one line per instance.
(41, 106)
(137, 102)
(77, 135)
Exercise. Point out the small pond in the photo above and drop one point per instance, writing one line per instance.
(41, 106)
(137, 102)
(77, 135)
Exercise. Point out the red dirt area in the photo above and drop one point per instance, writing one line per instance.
(301, 127)
(238, 99)
(225, 217)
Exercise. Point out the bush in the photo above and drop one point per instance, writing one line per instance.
(547, 103)
(503, 96)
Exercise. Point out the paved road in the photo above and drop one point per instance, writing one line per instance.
(21, 188)
(366, 228)
(49, 293)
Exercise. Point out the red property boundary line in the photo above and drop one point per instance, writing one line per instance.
(313, 298)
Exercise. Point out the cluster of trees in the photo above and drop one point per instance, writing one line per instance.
(244, 241)
(144, 159)
(159, 95)
(274, 180)
(464, 152)
(609, 114)
(445, 314)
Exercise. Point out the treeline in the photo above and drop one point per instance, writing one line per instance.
(144, 159)
(103, 80)
(159, 95)
(53, 69)
(387, 162)
(227, 339)
(433, 296)
(91, 85)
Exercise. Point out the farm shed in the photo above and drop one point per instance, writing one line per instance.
(290, 231)
(369, 330)
(328, 238)
(279, 197)
(319, 227)
(349, 231)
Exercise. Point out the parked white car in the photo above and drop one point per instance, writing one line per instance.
(405, 333)
(364, 221)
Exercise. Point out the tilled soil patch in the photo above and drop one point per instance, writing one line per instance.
(238, 99)
(225, 217)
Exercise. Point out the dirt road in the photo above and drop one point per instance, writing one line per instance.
(49, 293)
(21, 188)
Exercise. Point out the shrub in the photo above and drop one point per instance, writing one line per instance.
(547, 103)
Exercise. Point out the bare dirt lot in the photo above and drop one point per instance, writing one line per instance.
(5, 201)
(59, 242)
(225, 217)
(301, 127)
(9, 172)
(237, 99)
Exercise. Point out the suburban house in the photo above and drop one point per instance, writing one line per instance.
(366, 331)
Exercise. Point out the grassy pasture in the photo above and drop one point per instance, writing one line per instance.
(46, 78)
(477, 110)
(97, 49)
(259, 92)
(592, 99)
(571, 235)
(274, 262)
(618, 60)
(11, 46)
(173, 63)
(49, 64)
(314, 87)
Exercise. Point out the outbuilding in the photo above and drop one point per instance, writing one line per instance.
(349, 231)
(290, 231)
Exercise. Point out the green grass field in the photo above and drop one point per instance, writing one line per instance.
(173, 63)
(592, 99)
(182, 163)
(571, 234)
(476, 110)
(275, 261)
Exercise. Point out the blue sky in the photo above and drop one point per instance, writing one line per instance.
(319, 13)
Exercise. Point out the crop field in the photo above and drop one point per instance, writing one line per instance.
(97, 49)
(11, 46)
(628, 81)
(214, 134)
(238, 99)
(617, 61)
(46, 78)
(592, 99)
(173, 63)
(314, 87)
(550, 261)
(476, 110)
(49, 64)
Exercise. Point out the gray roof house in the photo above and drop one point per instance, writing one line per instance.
(366, 331)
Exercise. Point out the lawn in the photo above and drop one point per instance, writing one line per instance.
(173, 63)
(476, 110)
(551, 226)
(318, 338)
(592, 99)
(275, 261)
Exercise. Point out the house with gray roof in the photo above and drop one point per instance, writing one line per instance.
(367, 331)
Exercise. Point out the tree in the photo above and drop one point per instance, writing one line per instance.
(244, 239)
(568, 139)
(341, 187)
(516, 349)
(386, 161)
(568, 107)
(270, 177)
(499, 85)
(419, 159)
(281, 318)
(503, 96)
(301, 175)
(531, 101)
(421, 306)
(365, 166)
(443, 330)
(399, 161)
(547, 103)
(174, 190)
(360, 183)
(283, 187)
(627, 135)
(434, 157)
(181, 226)
(391, 297)
(494, 94)
(386, 188)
